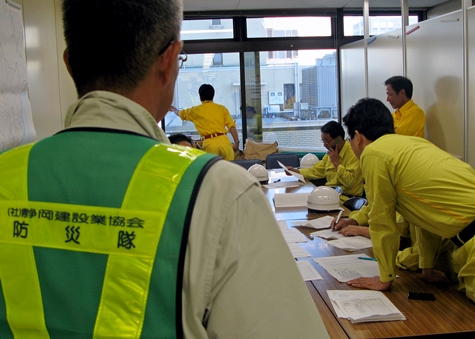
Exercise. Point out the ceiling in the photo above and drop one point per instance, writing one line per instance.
(237, 5)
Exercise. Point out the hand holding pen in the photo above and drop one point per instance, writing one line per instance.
(338, 223)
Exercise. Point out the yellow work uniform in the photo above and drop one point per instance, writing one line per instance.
(348, 175)
(430, 188)
(210, 118)
(409, 120)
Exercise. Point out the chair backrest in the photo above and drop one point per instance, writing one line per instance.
(355, 203)
(288, 159)
(247, 163)
(338, 189)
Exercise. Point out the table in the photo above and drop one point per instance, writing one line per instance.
(451, 315)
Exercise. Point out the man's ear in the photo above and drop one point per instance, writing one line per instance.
(66, 61)
(169, 61)
(358, 139)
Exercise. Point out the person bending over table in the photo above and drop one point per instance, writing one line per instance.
(430, 188)
(339, 166)
(408, 256)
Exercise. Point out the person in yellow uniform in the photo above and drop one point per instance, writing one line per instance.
(109, 231)
(212, 121)
(339, 166)
(430, 188)
(408, 118)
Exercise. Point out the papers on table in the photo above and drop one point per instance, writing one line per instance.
(328, 234)
(352, 243)
(280, 184)
(363, 306)
(308, 271)
(290, 199)
(291, 234)
(319, 223)
(348, 267)
(295, 174)
(297, 251)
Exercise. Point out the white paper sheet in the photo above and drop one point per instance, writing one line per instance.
(290, 199)
(328, 234)
(308, 271)
(293, 235)
(280, 184)
(297, 251)
(363, 306)
(319, 223)
(283, 225)
(348, 267)
(295, 174)
(352, 243)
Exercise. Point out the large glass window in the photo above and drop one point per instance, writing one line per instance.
(205, 29)
(200, 69)
(288, 27)
(354, 25)
(291, 99)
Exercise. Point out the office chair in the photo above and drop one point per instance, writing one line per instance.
(247, 163)
(355, 203)
(338, 189)
(288, 159)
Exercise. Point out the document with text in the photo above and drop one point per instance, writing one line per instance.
(363, 306)
(308, 271)
(348, 267)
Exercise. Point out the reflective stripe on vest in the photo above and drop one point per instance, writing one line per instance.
(129, 236)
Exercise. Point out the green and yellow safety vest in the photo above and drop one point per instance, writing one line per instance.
(93, 232)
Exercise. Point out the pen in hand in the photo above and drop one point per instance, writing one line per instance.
(337, 220)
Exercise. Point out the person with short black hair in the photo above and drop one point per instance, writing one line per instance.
(181, 139)
(429, 187)
(408, 119)
(339, 166)
(212, 121)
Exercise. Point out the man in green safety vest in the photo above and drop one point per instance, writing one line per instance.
(108, 231)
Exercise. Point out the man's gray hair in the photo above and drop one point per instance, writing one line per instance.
(111, 44)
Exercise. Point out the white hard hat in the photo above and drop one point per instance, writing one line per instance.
(308, 160)
(323, 198)
(260, 173)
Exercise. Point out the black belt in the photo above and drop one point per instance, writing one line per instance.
(464, 235)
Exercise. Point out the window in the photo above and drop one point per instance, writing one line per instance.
(354, 25)
(218, 59)
(288, 27)
(206, 29)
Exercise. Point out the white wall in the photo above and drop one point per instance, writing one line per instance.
(51, 90)
(435, 64)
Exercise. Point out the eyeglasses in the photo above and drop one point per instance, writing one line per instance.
(326, 142)
(182, 58)
(166, 47)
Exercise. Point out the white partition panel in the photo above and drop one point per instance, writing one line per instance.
(385, 61)
(435, 66)
(352, 75)
(471, 87)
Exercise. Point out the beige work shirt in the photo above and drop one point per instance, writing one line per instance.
(240, 279)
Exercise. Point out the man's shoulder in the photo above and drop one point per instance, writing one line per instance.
(414, 108)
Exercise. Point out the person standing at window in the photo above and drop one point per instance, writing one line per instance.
(213, 122)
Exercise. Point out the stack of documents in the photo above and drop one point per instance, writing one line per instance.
(290, 199)
(348, 267)
(363, 306)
